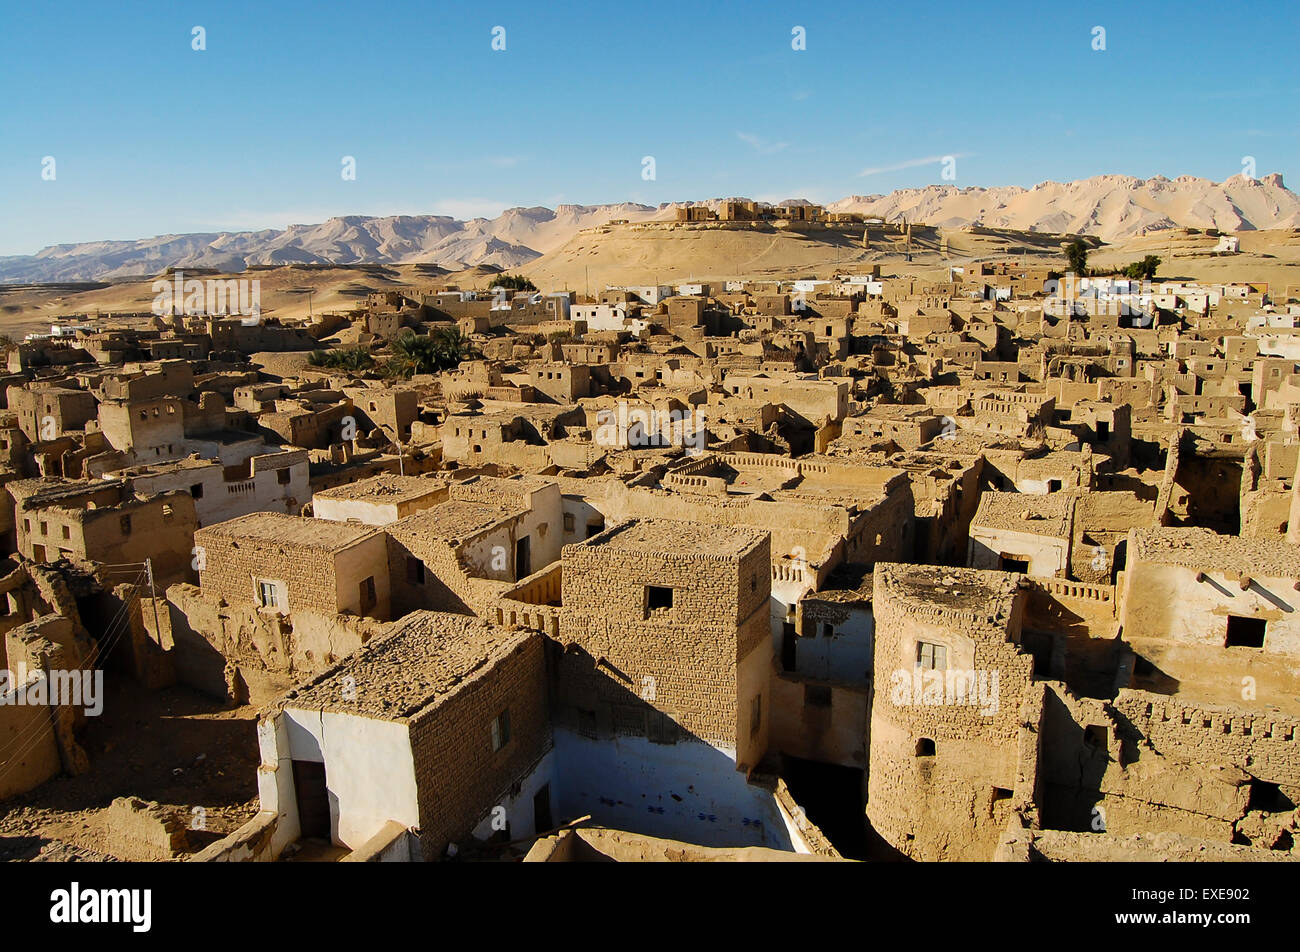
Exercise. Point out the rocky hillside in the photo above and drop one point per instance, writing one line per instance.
(1111, 207)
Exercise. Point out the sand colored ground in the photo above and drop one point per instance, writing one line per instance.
(670, 253)
(175, 746)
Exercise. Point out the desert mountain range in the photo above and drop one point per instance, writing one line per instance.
(1110, 207)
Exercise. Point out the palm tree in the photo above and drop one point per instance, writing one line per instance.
(453, 347)
(415, 354)
(420, 354)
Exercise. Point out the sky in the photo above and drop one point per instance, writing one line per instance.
(150, 136)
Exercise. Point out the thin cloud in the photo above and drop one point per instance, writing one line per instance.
(913, 163)
(759, 144)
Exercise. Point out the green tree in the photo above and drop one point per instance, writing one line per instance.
(1076, 257)
(354, 359)
(420, 354)
(1143, 270)
(512, 282)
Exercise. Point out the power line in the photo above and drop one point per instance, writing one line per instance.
(100, 650)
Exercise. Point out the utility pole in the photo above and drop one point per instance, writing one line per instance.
(153, 596)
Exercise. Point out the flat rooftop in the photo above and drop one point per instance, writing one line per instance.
(1043, 515)
(671, 537)
(454, 520)
(850, 583)
(385, 488)
(1206, 550)
(976, 591)
(283, 529)
(423, 658)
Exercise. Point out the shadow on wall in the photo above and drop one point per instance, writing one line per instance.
(1072, 770)
(631, 767)
(1147, 676)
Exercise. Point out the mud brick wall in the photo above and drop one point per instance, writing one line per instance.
(231, 565)
(683, 661)
(1264, 745)
(144, 830)
(459, 777)
(943, 807)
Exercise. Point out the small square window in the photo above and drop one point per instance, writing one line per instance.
(282, 477)
(268, 594)
(197, 490)
(126, 525)
(1245, 632)
(931, 657)
(568, 522)
(658, 598)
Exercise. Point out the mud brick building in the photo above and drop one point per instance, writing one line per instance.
(287, 564)
(1213, 614)
(945, 716)
(379, 500)
(103, 521)
(426, 729)
(633, 590)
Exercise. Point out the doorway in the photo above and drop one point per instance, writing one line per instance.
(542, 819)
(313, 799)
(523, 558)
(789, 653)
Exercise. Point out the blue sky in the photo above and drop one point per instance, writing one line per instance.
(152, 137)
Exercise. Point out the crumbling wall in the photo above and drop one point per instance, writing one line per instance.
(140, 830)
(1147, 763)
(218, 646)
